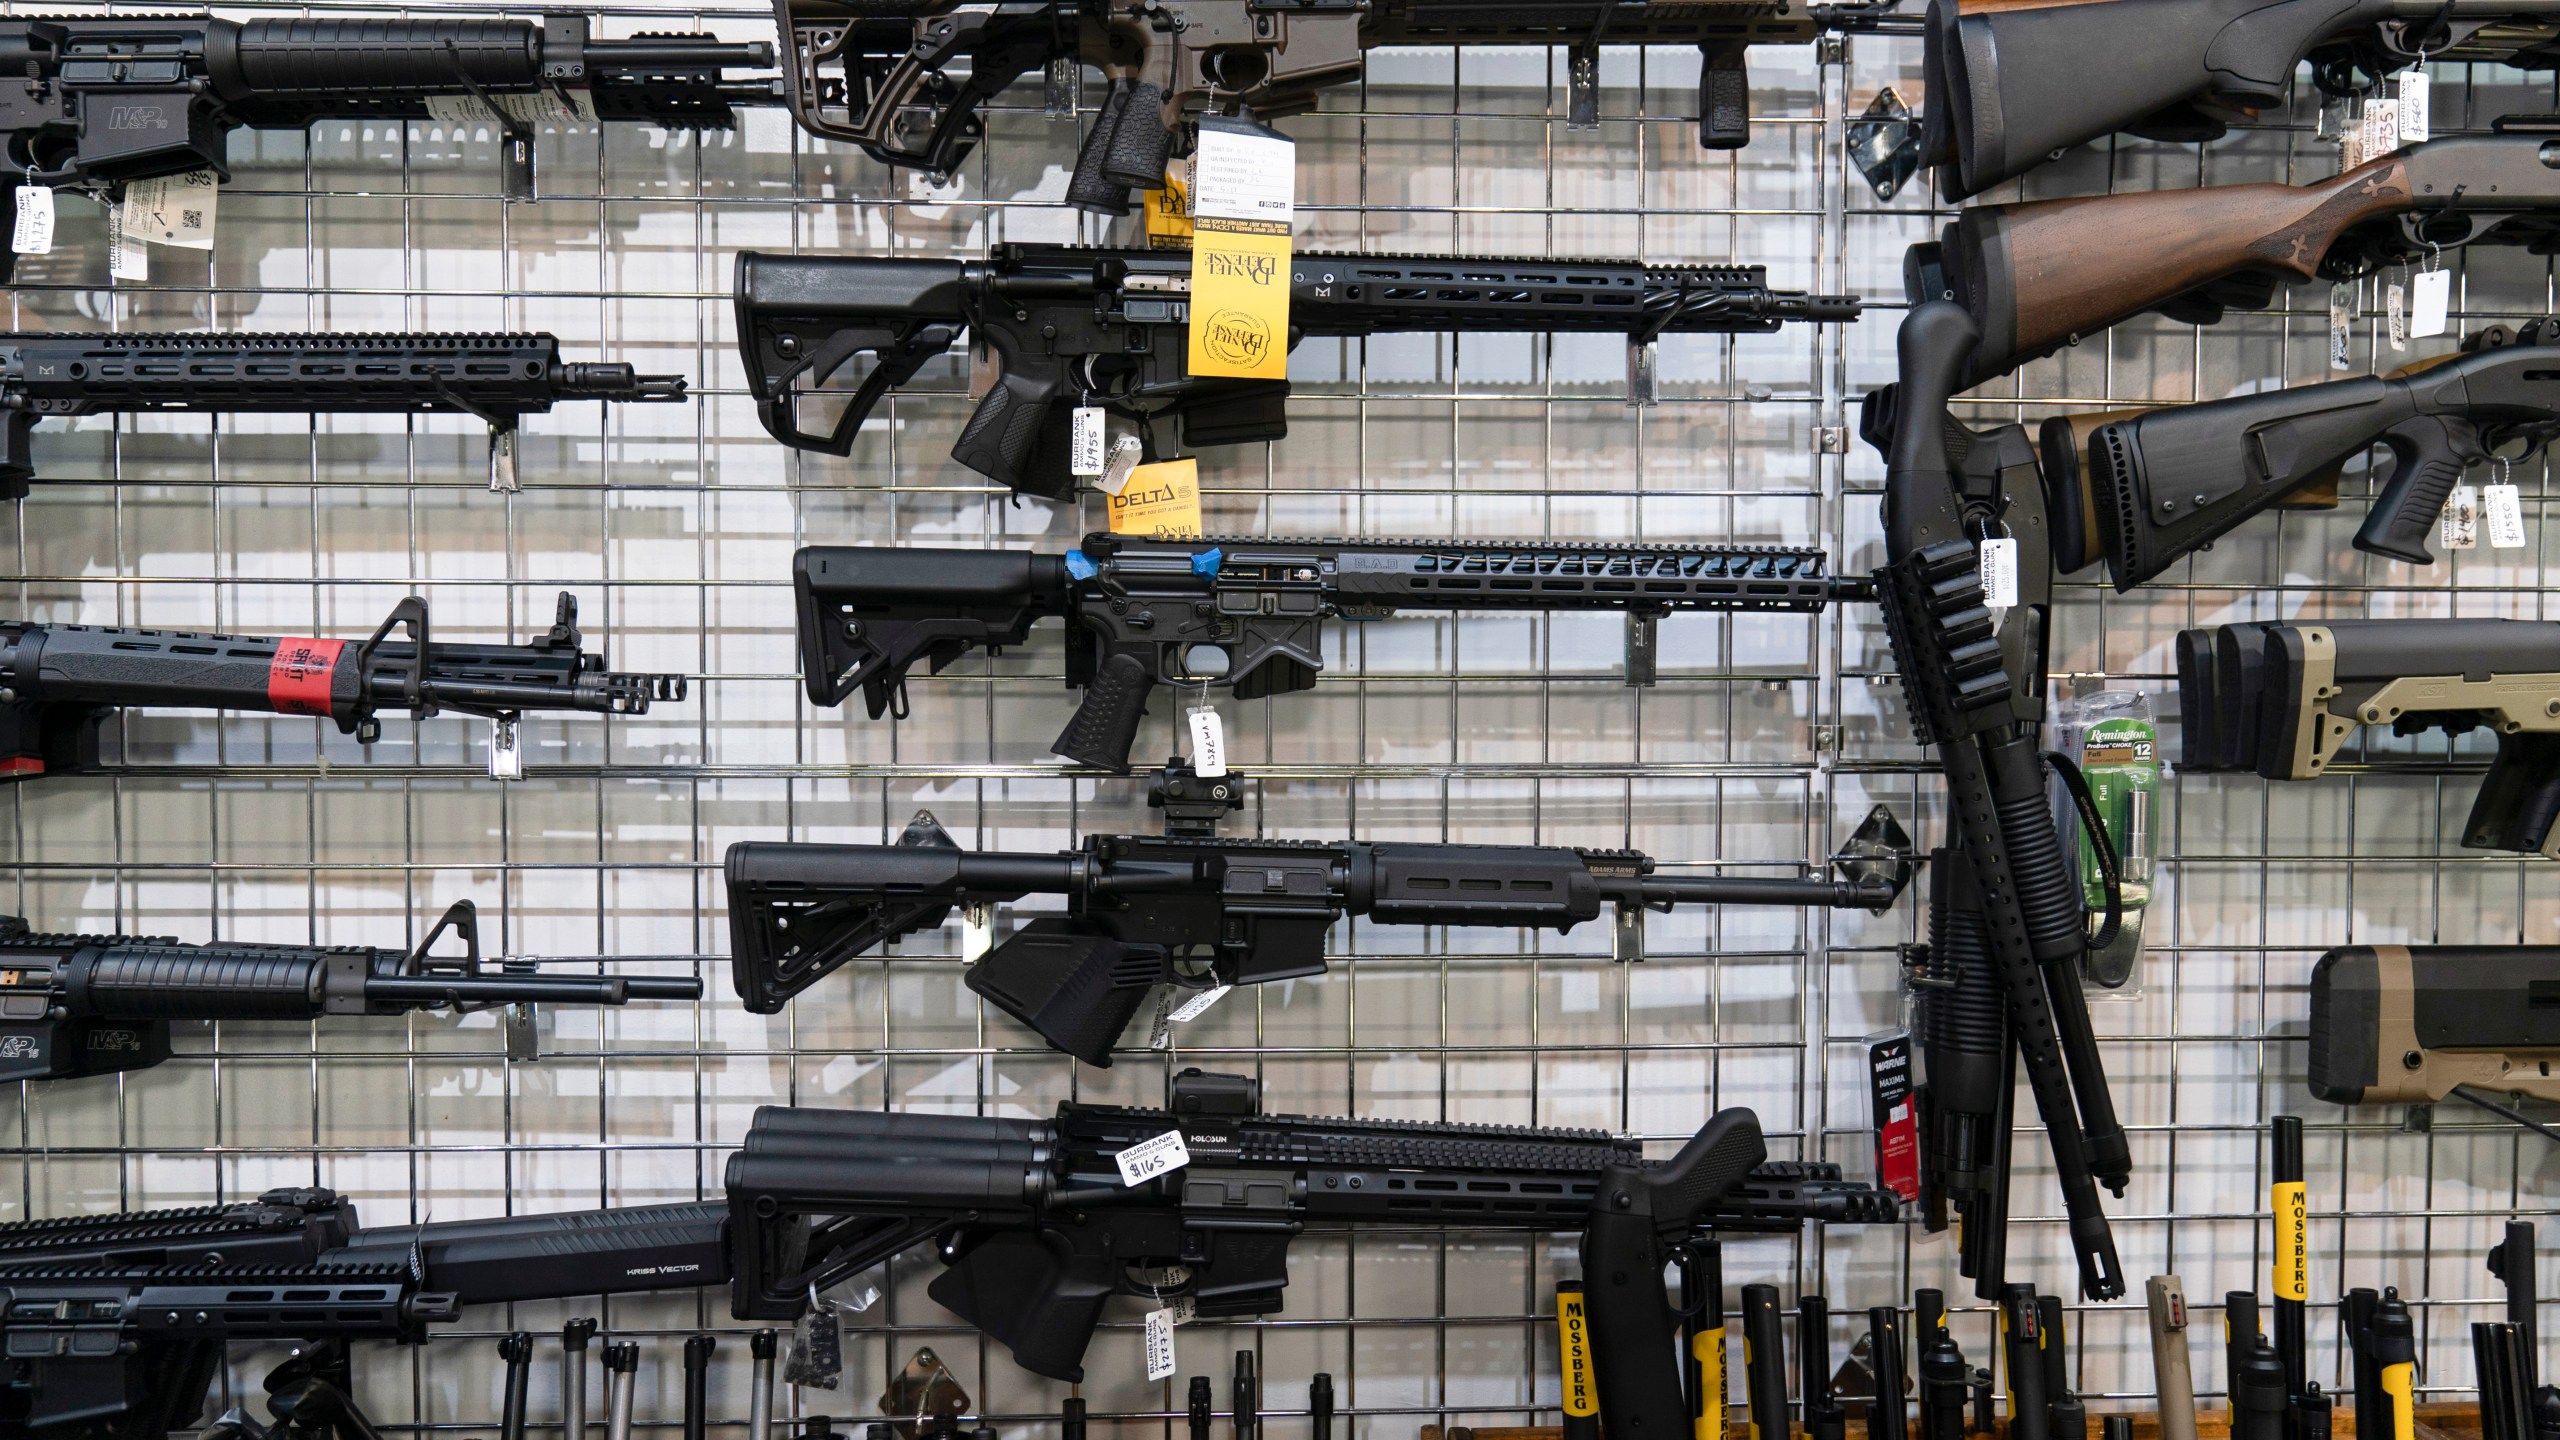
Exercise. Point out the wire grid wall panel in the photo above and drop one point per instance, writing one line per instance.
(1768, 737)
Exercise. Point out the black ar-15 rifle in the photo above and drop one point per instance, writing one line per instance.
(114, 1326)
(905, 79)
(1194, 911)
(74, 1005)
(499, 378)
(94, 101)
(1041, 1223)
(1233, 611)
(1072, 325)
(1975, 690)
(58, 683)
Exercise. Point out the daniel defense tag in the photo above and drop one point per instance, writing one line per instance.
(1243, 202)
(1168, 208)
(1161, 501)
(1148, 1159)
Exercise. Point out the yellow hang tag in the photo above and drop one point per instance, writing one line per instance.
(2292, 1207)
(1160, 501)
(1712, 1416)
(1243, 201)
(1169, 208)
(1581, 1395)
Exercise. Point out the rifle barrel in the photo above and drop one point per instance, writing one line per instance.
(1771, 890)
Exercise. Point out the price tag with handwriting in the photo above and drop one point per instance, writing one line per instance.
(1148, 1159)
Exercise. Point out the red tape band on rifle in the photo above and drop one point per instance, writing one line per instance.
(298, 678)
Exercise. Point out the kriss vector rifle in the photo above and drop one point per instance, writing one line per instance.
(2143, 489)
(58, 683)
(498, 378)
(116, 1325)
(1041, 1223)
(906, 80)
(95, 101)
(1069, 326)
(1193, 911)
(2281, 700)
(1974, 686)
(1231, 611)
(2010, 84)
(2414, 1024)
(73, 1005)
(2039, 275)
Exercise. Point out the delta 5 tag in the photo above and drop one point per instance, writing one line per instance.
(2000, 572)
(2460, 527)
(1208, 741)
(2504, 507)
(1161, 501)
(2413, 106)
(1244, 201)
(1085, 436)
(1148, 1159)
(172, 210)
(32, 234)
(2430, 302)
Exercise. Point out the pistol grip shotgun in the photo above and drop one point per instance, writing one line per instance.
(1641, 1214)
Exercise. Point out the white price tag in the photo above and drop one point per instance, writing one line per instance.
(2342, 324)
(977, 930)
(2351, 145)
(2413, 106)
(172, 209)
(1160, 1363)
(2000, 572)
(2505, 513)
(1198, 1005)
(1208, 742)
(33, 232)
(2430, 302)
(2395, 309)
(126, 257)
(1241, 171)
(2381, 127)
(1085, 434)
(2459, 529)
(1148, 1159)
(1160, 1029)
(1123, 462)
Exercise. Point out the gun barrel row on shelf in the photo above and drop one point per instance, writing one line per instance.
(1107, 369)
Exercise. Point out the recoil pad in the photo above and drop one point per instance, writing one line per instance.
(1141, 142)
(1090, 189)
(287, 60)
(1105, 726)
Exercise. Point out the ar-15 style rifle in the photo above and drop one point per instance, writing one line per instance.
(73, 1005)
(2039, 275)
(1072, 325)
(889, 78)
(115, 1325)
(1191, 910)
(1247, 614)
(2280, 700)
(2010, 84)
(1041, 1223)
(1974, 687)
(499, 378)
(58, 683)
(2144, 489)
(95, 101)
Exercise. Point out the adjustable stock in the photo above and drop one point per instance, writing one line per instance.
(867, 614)
(802, 318)
(796, 913)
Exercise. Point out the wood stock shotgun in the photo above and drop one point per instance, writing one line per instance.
(2041, 275)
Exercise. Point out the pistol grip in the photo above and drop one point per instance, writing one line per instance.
(1003, 433)
(1105, 726)
(2430, 454)
(1089, 189)
(1724, 98)
(1141, 142)
(2519, 798)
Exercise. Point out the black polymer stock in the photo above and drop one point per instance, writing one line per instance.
(1073, 325)
(58, 683)
(876, 74)
(1975, 692)
(73, 1005)
(1039, 1230)
(500, 378)
(1233, 611)
(100, 100)
(89, 1357)
(1190, 910)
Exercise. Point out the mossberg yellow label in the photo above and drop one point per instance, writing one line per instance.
(1712, 1415)
(2400, 1383)
(1161, 501)
(2292, 1207)
(1581, 1396)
